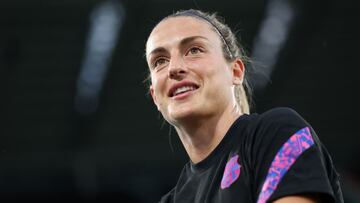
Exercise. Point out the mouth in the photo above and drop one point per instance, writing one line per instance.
(181, 89)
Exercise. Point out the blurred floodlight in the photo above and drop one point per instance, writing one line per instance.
(271, 38)
(105, 24)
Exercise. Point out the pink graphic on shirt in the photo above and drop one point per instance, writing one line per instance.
(284, 159)
(231, 173)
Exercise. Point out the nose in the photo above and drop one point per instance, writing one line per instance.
(177, 68)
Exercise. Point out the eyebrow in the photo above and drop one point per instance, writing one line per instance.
(183, 42)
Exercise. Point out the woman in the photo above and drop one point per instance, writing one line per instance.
(199, 85)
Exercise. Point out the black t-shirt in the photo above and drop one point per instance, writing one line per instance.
(261, 158)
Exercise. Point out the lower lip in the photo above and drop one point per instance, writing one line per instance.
(183, 95)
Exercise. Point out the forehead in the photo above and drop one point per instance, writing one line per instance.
(172, 30)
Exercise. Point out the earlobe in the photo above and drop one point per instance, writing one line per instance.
(153, 96)
(238, 69)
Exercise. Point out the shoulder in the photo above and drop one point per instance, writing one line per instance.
(267, 132)
(286, 148)
(275, 129)
(280, 119)
(281, 114)
(279, 111)
(272, 128)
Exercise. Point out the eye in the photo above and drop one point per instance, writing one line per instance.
(159, 62)
(195, 50)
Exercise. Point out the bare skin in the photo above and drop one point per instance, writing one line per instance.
(185, 52)
(203, 116)
(299, 199)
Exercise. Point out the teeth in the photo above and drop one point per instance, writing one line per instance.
(183, 89)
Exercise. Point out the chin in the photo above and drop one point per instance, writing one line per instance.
(180, 114)
(175, 115)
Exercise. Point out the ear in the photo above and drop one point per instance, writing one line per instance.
(153, 96)
(238, 69)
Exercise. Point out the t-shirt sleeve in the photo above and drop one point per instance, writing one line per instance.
(289, 159)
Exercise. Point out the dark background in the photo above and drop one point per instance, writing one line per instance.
(119, 150)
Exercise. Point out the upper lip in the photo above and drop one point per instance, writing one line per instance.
(180, 84)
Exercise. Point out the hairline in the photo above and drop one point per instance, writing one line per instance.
(203, 19)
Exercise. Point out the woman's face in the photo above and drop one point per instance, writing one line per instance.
(189, 75)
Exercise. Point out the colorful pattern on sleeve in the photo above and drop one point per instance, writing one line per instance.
(284, 159)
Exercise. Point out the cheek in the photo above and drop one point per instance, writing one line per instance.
(221, 69)
(210, 69)
(201, 67)
(219, 75)
(158, 83)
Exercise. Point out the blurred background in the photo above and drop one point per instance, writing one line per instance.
(78, 124)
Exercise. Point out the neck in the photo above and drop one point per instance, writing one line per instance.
(200, 136)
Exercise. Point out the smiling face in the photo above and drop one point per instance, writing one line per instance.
(190, 77)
